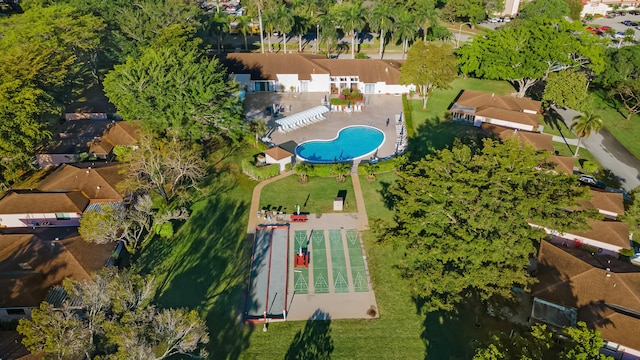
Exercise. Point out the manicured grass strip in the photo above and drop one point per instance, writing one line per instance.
(314, 197)
(358, 272)
(300, 275)
(319, 263)
(338, 262)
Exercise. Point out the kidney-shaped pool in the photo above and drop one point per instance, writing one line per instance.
(351, 143)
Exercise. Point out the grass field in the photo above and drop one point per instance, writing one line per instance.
(314, 197)
(627, 132)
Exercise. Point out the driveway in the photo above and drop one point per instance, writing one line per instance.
(610, 154)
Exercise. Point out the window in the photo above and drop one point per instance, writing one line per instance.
(15, 312)
(354, 79)
(62, 216)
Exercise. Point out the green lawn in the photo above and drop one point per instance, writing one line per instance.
(441, 99)
(583, 154)
(314, 197)
(627, 132)
(554, 125)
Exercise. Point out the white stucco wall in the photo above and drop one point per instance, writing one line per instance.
(281, 163)
(319, 83)
(28, 220)
(594, 8)
(384, 88)
(573, 240)
(508, 124)
(288, 80)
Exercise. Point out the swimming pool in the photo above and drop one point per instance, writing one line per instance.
(351, 143)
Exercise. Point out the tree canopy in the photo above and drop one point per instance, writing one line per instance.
(622, 64)
(175, 90)
(567, 88)
(462, 218)
(429, 66)
(548, 9)
(539, 343)
(528, 52)
(117, 321)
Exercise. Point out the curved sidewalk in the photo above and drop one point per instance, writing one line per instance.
(255, 199)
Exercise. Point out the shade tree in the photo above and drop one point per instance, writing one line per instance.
(462, 217)
(567, 88)
(628, 92)
(519, 55)
(429, 66)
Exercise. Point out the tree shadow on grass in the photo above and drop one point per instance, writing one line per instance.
(314, 341)
(436, 135)
(206, 267)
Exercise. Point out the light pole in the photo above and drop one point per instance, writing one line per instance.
(460, 33)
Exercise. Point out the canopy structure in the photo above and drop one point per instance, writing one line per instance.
(302, 119)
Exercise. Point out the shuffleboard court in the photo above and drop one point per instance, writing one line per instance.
(301, 274)
(358, 272)
(338, 262)
(268, 285)
(319, 262)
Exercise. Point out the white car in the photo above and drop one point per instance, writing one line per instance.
(494, 20)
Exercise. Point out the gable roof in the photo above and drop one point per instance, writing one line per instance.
(31, 265)
(605, 299)
(267, 66)
(480, 100)
(29, 202)
(97, 180)
(118, 133)
(278, 153)
(538, 141)
(610, 232)
(508, 115)
(74, 136)
(604, 200)
(563, 163)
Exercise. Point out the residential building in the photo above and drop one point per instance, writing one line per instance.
(98, 181)
(605, 294)
(278, 155)
(315, 73)
(25, 208)
(517, 113)
(32, 264)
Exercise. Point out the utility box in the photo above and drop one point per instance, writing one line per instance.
(338, 204)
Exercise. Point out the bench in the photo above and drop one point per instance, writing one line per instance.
(299, 218)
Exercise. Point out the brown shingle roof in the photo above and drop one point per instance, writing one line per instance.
(576, 279)
(604, 200)
(28, 202)
(30, 266)
(563, 163)
(477, 100)
(538, 141)
(278, 153)
(368, 71)
(119, 133)
(610, 232)
(267, 66)
(508, 115)
(97, 180)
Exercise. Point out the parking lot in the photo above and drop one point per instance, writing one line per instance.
(616, 23)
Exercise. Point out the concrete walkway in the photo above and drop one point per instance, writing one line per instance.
(255, 200)
(609, 153)
(573, 142)
(357, 191)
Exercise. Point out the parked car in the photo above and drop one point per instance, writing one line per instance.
(494, 20)
(619, 35)
(591, 181)
(506, 19)
(604, 28)
(626, 23)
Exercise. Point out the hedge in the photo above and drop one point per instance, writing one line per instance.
(383, 166)
(408, 118)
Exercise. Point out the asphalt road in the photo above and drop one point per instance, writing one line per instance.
(610, 154)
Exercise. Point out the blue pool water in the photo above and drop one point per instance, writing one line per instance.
(352, 142)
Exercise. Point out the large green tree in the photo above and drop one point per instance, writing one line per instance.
(175, 89)
(622, 64)
(350, 16)
(429, 66)
(567, 88)
(380, 19)
(463, 219)
(548, 9)
(112, 316)
(579, 343)
(529, 52)
(584, 125)
(44, 54)
(628, 92)
(472, 11)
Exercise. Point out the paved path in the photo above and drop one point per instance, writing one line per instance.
(255, 200)
(610, 154)
(357, 191)
(561, 139)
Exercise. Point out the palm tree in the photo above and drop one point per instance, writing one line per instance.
(303, 170)
(351, 18)
(341, 170)
(583, 125)
(380, 19)
(244, 29)
(328, 30)
(371, 169)
(301, 19)
(283, 22)
(259, 127)
(426, 15)
(268, 21)
(405, 29)
(218, 25)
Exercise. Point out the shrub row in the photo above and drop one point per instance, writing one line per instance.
(259, 172)
(408, 118)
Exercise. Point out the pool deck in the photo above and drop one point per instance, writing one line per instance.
(377, 109)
